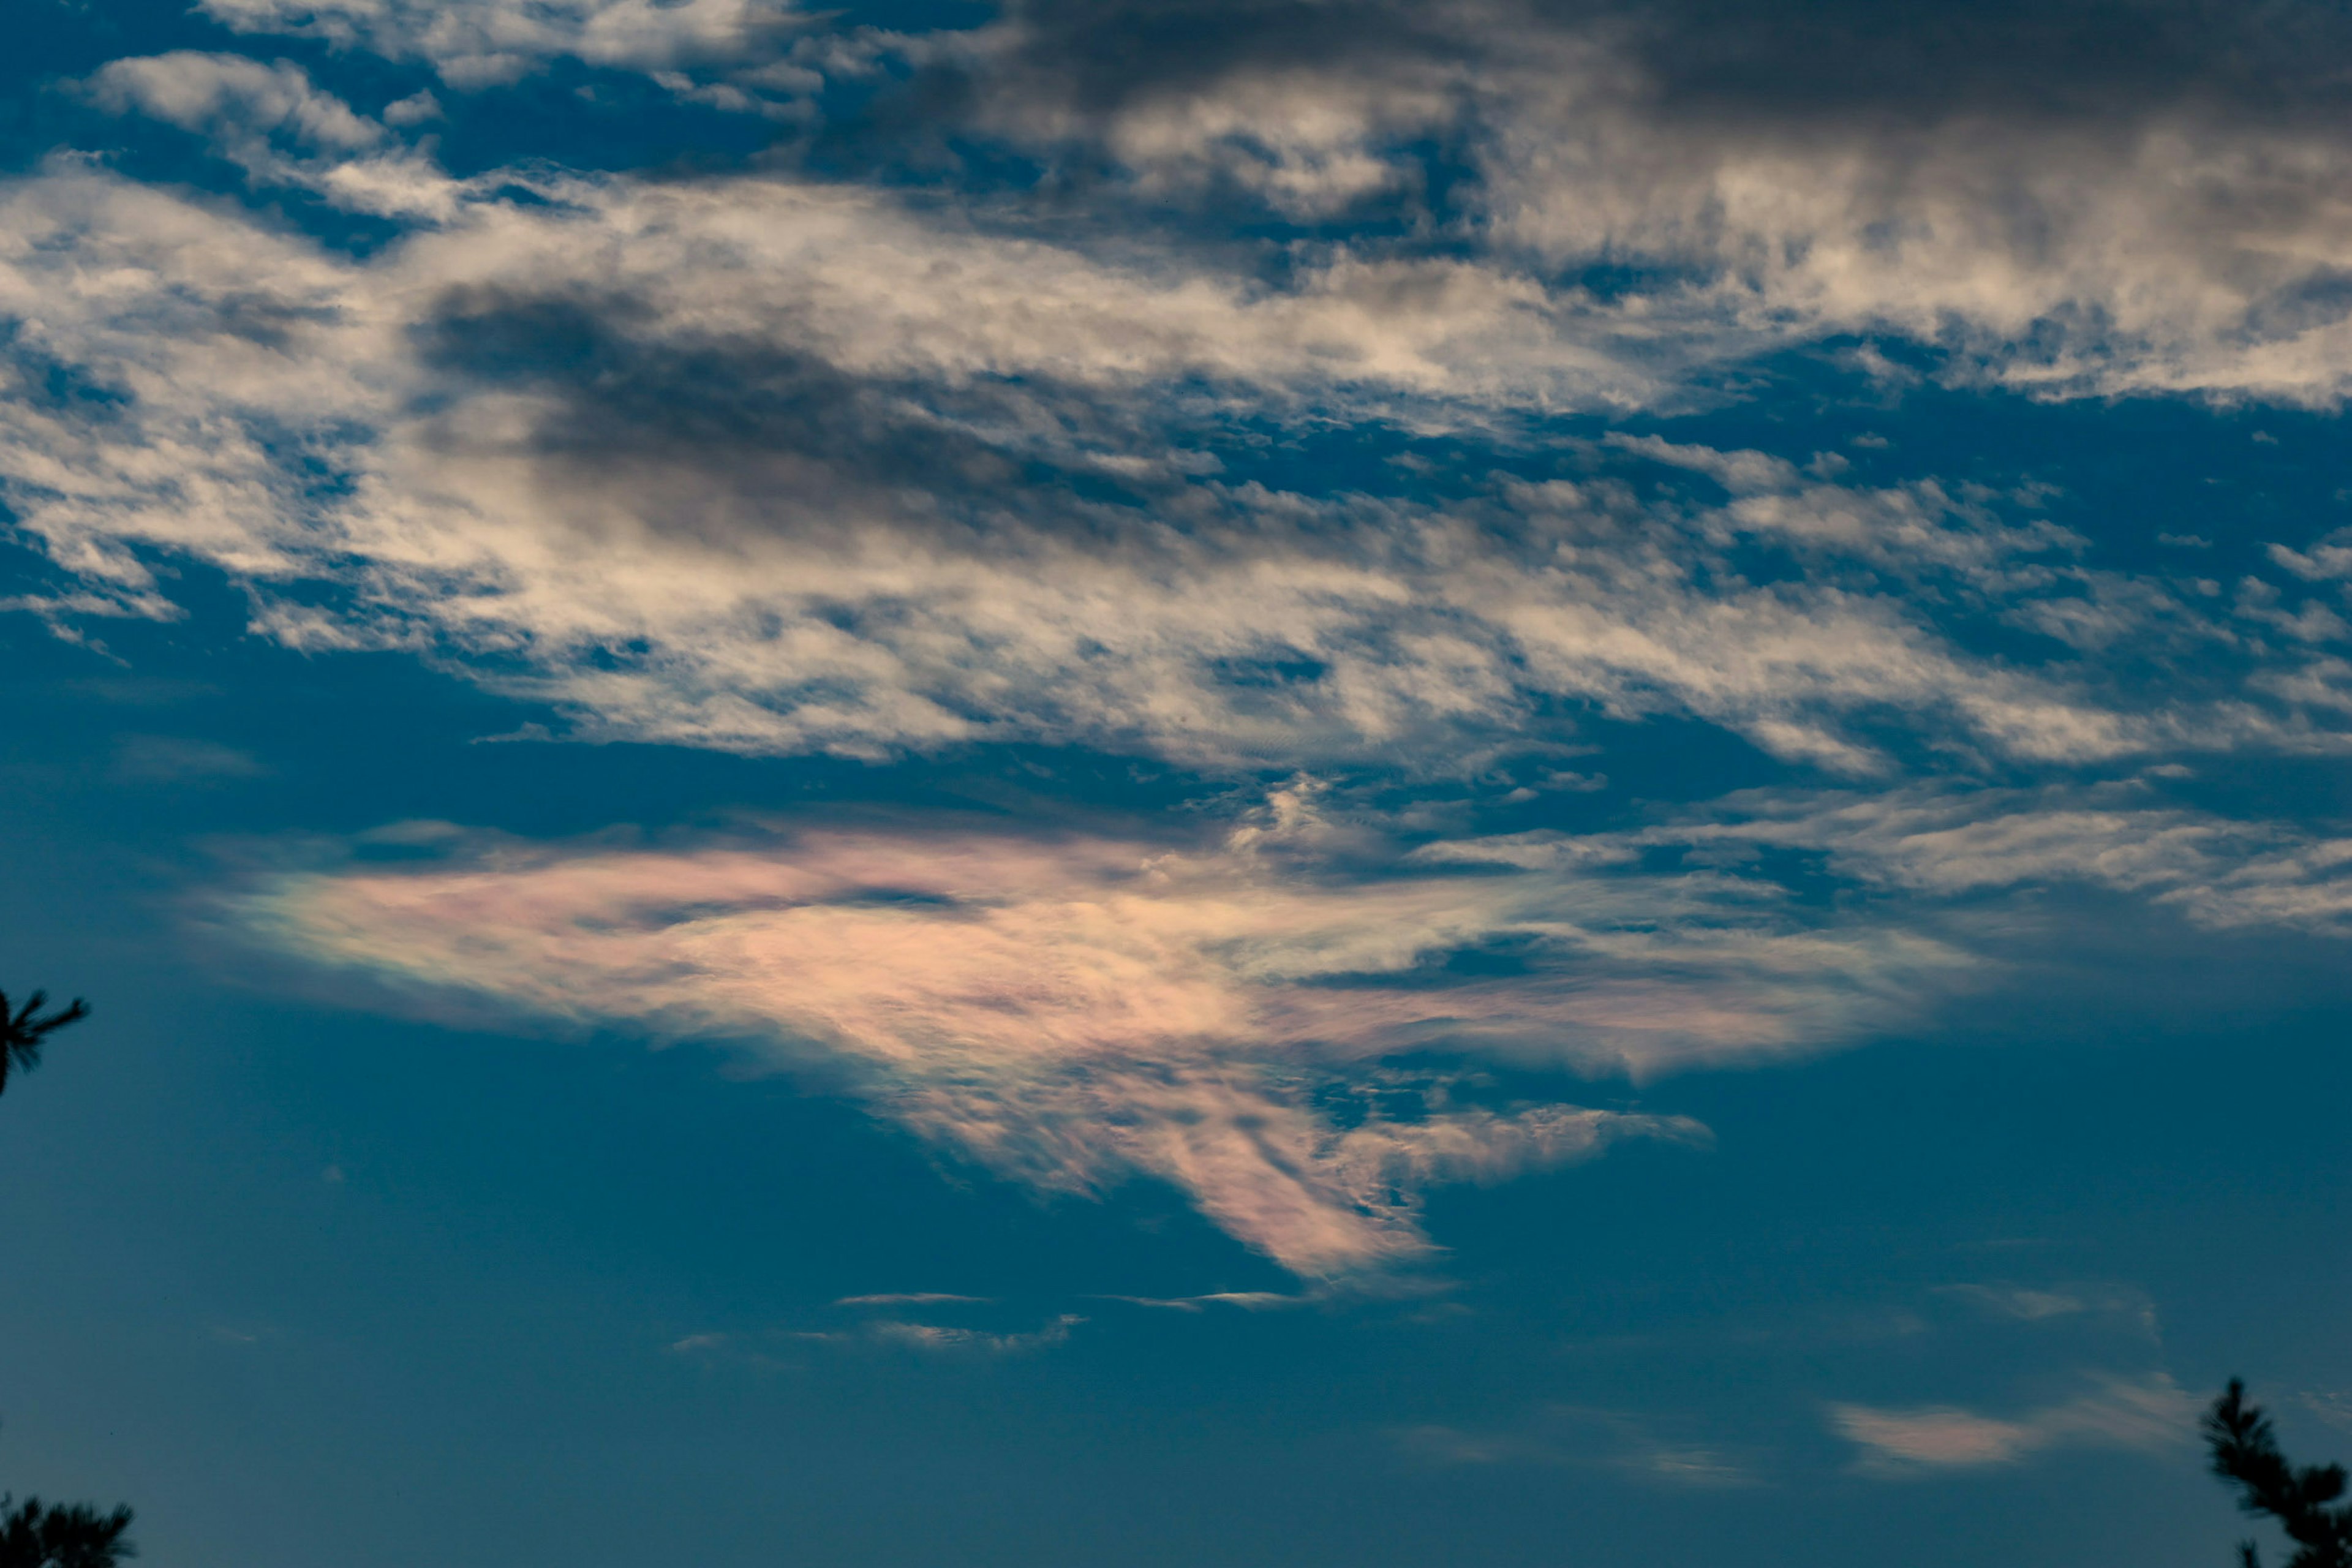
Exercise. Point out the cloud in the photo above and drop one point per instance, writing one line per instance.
(2079, 198)
(1244, 1300)
(1947, 842)
(2024, 1304)
(232, 95)
(2328, 560)
(2084, 199)
(777, 465)
(1069, 1011)
(477, 43)
(2148, 1412)
(769, 467)
(1576, 1436)
(272, 123)
(937, 1340)
(171, 758)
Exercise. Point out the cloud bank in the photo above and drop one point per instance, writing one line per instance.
(993, 401)
(775, 468)
(2087, 197)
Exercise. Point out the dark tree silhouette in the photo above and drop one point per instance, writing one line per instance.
(2246, 1455)
(22, 1030)
(34, 1534)
(63, 1535)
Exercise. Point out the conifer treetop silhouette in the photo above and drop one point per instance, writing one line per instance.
(62, 1535)
(24, 1029)
(2245, 1453)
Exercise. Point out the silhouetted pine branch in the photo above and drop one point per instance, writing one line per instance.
(67, 1535)
(2246, 1454)
(22, 1030)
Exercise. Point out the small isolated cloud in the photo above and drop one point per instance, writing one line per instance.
(936, 1339)
(714, 1351)
(173, 759)
(1628, 1444)
(2024, 1304)
(1244, 1301)
(906, 1298)
(2151, 1413)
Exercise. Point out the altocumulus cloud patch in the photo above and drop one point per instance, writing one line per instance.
(773, 467)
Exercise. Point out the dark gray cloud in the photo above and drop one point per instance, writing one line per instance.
(1908, 61)
(696, 421)
(1913, 60)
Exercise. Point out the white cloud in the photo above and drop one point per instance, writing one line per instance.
(2331, 558)
(2174, 255)
(272, 123)
(2165, 240)
(234, 96)
(476, 43)
(2218, 872)
(775, 510)
(1945, 842)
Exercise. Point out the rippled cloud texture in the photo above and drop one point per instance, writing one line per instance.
(1273, 394)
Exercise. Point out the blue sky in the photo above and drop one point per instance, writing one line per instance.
(1165, 782)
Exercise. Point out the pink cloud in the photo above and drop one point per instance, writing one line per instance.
(2145, 1413)
(1074, 1011)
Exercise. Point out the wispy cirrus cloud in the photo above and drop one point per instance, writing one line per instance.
(1069, 1011)
(2147, 1413)
(1585, 1438)
(1946, 842)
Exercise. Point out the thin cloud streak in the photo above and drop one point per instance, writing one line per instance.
(2146, 1412)
(1942, 842)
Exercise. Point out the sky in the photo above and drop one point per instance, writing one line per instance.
(1123, 785)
